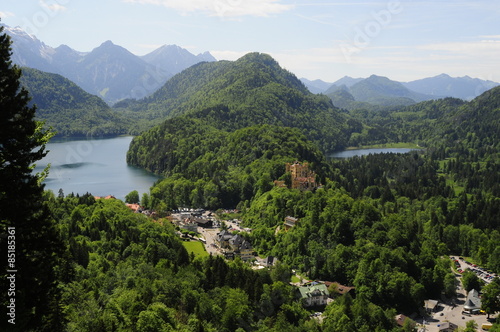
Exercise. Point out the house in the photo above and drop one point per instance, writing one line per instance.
(473, 301)
(189, 224)
(134, 207)
(235, 245)
(246, 251)
(203, 222)
(223, 238)
(314, 294)
(431, 305)
(402, 319)
(336, 288)
(447, 327)
(290, 222)
(106, 197)
(270, 261)
(235, 242)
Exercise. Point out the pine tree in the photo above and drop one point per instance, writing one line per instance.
(31, 285)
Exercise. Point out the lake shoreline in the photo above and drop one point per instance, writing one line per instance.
(97, 166)
(400, 145)
(363, 152)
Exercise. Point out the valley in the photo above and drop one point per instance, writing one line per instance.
(372, 234)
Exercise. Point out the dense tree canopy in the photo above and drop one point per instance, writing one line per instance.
(29, 240)
(68, 109)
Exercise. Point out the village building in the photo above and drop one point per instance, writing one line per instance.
(105, 197)
(223, 238)
(203, 222)
(338, 289)
(313, 294)
(270, 261)
(431, 305)
(447, 327)
(402, 319)
(246, 251)
(235, 245)
(189, 224)
(290, 222)
(473, 301)
(134, 207)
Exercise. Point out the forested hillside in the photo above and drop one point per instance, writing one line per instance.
(382, 223)
(68, 109)
(251, 91)
(444, 121)
(124, 272)
(212, 168)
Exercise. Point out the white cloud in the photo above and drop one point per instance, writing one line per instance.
(6, 14)
(479, 50)
(221, 8)
(477, 58)
(53, 6)
(490, 36)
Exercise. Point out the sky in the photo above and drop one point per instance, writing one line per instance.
(317, 39)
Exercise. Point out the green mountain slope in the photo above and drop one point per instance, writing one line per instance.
(69, 109)
(211, 168)
(233, 127)
(250, 91)
(479, 117)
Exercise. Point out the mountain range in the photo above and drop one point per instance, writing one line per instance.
(109, 71)
(382, 91)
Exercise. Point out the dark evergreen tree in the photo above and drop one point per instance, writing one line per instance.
(26, 229)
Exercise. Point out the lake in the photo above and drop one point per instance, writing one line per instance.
(97, 166)
(364, 152)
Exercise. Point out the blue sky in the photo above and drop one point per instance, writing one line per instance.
(403, 40)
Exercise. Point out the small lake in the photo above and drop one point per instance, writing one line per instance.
(364, 152)
(97, 166)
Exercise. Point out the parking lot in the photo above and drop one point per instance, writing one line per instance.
(482, 273)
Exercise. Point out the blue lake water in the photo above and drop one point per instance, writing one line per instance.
(364, 152)
(97, 166)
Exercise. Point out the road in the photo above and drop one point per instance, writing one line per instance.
(210, 234)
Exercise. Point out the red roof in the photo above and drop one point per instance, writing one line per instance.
(134, 207)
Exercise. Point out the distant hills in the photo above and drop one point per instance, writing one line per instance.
(458, 87)
(109, 71)
(351, 93)
(374, 90)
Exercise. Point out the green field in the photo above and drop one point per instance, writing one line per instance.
(195, 247)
